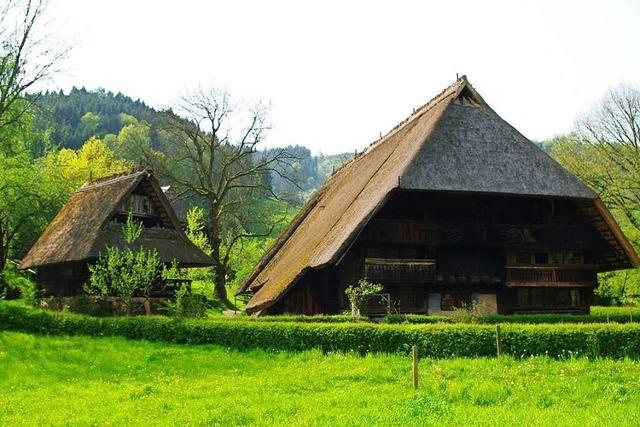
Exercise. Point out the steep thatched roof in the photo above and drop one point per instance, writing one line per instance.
(455, 142)
(82, 228)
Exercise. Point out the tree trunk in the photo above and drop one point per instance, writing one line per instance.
(220, 280)
(3, 258)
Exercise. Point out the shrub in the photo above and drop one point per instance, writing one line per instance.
(467, 313)
(18, 286)
(123, 273)
(186, 305)
(358, 295)
(437, 340)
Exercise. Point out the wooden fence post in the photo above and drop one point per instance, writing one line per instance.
(414, 351)
(498, 340)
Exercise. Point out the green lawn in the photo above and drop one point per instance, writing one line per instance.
(112, 381)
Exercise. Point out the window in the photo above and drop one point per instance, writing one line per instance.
(547, 298)
(522, 257)
(541, 258)
(450, 300)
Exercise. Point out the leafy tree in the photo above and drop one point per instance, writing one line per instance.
(72, 168)
(358, 295)
(123, 273)
(90, 122)
(604, 150)
(133, 140)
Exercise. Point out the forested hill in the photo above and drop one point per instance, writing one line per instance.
(72, 118)
(69, 119)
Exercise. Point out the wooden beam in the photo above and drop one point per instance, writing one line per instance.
(617, 232)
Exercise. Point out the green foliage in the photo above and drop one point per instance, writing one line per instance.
(114, 381)
(27, 198)
(186, 304)
(439, 341)
(68, 169)
(61, 115)
(133, 140)
(598, 315)
(123, 273)
(89, 123)
(359, 294)
(466, 314)
(18, 286)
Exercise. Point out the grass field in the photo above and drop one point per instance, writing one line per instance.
(111, 381)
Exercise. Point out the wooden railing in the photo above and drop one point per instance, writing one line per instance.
(558, 275)
(400, 270)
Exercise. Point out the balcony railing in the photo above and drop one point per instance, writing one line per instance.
(583, 275)
(400, 270)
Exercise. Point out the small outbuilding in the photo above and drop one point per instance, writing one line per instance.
(93, 219)
(452, 207)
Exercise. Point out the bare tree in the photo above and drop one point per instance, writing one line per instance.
(212, 152)
(27, 56)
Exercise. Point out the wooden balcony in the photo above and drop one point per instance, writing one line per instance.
(400, 270)
(582, 275)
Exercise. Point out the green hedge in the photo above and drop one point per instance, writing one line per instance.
(441, 340)
(614, 316)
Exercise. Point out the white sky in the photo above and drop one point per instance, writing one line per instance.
(338, 73)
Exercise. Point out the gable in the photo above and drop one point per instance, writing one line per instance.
(472, 149)
(84, 225)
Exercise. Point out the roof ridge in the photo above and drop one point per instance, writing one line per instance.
(117, 177)
(415, 114)
(422, 109)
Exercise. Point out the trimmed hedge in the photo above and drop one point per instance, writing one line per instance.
(612, 340)
(614, 317)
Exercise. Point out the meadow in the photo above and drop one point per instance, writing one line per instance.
(62, 380)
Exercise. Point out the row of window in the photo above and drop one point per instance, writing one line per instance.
(542, 257)
(525, 299)
(548, 298)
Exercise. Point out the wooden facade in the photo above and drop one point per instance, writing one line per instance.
(434, 251)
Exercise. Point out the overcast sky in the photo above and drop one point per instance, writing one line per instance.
(339, 73)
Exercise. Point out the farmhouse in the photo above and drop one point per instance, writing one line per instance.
(92, 219)
(452, 206)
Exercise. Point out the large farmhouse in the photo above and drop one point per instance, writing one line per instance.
(452, 206)
(92, 219)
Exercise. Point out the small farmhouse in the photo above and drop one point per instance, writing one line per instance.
(453, 206)
(92, 219)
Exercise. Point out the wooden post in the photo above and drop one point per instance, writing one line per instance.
(498, 340)
(414, 351)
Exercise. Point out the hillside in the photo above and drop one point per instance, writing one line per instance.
(69, 119)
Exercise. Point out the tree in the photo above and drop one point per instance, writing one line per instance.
(133, 139)
(90, 122)
(604, 151)
(123, 273)
(69, 169)
(359, 294)
(27, 56)
(211, 152)
(27, 199)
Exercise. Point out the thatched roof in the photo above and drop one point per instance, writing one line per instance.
(82, 228)
(455, 142)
